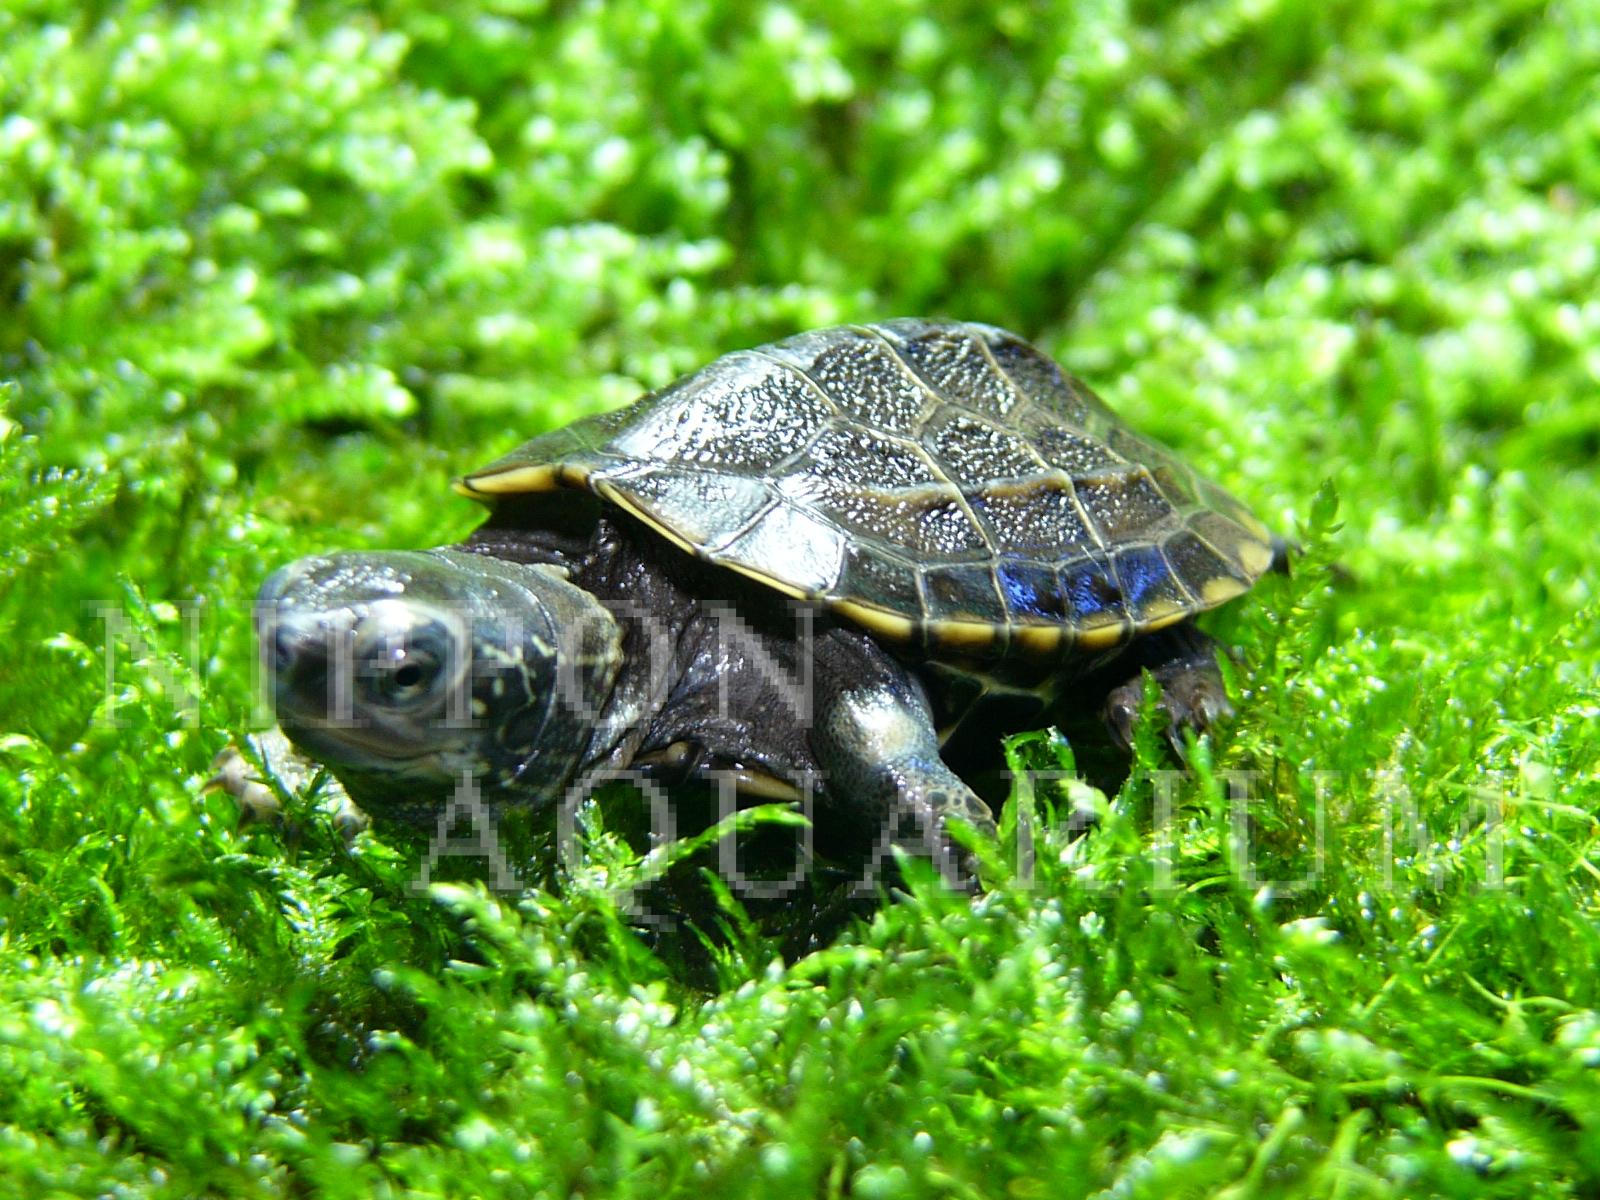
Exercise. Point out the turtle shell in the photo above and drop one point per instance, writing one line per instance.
(935, 482)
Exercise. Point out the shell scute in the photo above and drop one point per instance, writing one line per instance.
(1038, 521)
(965, 592)
(812, 550)
(938, 482)
(1032, 591)
(880, 580)
(723, 418)
(1043, 382)
(974, 452)
(954, 363)
(1092, 595)
(1149, 589)
(1125, 507)
(852, 362)
(865, 459)
(1069, 448)
(703, 508)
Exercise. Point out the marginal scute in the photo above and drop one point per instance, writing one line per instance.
(1031, 591)
(811, 549)
(629, 503)
(940, 484)
(886, 624)
(964, 592)
(1176, 483)
(1241, 516)
(1103, 635)
(703, 508)
(1149, 589)
(1221, 588)
(880, 580)
(964, 637)
(1231, 542)
(1255, 557)
(512, 481)
(1042, 641)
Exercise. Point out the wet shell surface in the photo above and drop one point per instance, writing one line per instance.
(938, 483)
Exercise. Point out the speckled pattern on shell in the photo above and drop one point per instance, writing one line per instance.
(939, 481)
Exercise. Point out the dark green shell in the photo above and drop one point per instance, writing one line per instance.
(942, 482)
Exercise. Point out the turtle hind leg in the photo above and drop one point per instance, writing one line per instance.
(1184, 663)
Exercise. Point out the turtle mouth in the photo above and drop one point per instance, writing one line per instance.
(358, 746)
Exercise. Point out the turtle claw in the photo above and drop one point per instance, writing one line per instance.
(1192, 697)
(252, 790)
(234, 774)
(1121, 712)
(923, 833)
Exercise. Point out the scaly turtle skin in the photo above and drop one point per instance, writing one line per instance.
(819, 559)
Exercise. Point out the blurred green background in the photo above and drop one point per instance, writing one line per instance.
(270, 273)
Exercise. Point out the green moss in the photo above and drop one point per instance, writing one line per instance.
(270, 273)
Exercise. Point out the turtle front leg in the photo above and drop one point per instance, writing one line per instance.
(876, 742)
(1184, 663)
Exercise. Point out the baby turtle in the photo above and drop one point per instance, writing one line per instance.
(813, 563)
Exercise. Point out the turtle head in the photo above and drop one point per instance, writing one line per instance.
(406, 671)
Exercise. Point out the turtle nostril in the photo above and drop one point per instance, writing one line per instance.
(296, 658)
(297, 664)
(282, 651)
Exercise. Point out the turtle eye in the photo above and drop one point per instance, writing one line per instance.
(408, 674)
(401, 668)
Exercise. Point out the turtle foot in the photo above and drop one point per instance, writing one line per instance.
(253, 789)
(1192, 697)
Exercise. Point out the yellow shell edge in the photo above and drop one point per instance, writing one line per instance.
(1222, 589)
(521, 481)
(1256, 557)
